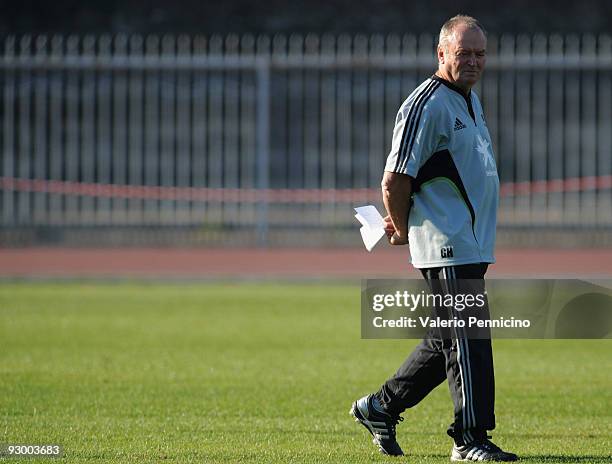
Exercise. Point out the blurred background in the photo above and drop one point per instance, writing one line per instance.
(217, 125)
(177, 184)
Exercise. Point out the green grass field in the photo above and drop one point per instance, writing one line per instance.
(259, 373)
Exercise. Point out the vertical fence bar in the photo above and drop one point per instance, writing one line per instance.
(136, 164)
(87, 149)
(183, 124)
(231, 126)
(247, 146)
(408, 78)
(168, 130)
(490, 96)
(73, 80)
(199, 132)
(573, 148)
(312, 113)
(56, 129)
(120, 131)
(539, 133)
(523, 133)
(40, 213)
(359, 103)
(604, 134)
(588, 133)
(328, 128)
(280, 151)
(215, 132)
(103, 131)
(8, 134)
(556, 128)
(393, 95)
(295, 127)
(507, 152)
(263, 142)
(426, 49)
(344, 116)
(152, 130)
(24, 128)
(376, 115)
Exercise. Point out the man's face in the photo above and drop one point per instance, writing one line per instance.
(464, 58)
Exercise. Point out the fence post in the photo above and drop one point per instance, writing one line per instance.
(9, 164)
(263, 147)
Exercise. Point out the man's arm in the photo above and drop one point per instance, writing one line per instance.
(396, 191)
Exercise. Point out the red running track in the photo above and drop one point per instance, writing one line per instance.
(277, 263)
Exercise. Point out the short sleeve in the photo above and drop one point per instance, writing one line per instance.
(415, 138)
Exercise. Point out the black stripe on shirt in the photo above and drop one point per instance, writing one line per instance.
(410, 118)
(415, 126)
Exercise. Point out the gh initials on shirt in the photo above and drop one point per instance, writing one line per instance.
(446, 252)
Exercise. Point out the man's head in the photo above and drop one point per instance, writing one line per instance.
(462, 51)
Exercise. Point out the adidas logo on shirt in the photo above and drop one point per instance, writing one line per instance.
(459, 125)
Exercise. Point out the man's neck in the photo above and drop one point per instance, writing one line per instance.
(449, 79)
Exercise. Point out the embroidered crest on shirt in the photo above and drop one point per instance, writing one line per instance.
(487, 158)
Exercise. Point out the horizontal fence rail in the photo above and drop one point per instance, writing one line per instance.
(242, 195)
(266, 133)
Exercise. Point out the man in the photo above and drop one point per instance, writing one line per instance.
(441, 168)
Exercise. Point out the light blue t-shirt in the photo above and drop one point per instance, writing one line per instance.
(441, 140)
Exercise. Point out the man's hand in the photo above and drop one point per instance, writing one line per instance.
(392, 235)
(397, 240)
(389, 229)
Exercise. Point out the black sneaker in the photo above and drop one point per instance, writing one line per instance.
(380, 424)
(481, 450)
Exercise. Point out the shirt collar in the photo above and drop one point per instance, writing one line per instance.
(451, 86)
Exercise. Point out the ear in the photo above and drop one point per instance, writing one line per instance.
(440, 54)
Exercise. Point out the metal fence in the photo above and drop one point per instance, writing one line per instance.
(264, 133)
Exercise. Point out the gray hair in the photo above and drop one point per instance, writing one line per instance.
(449, 27)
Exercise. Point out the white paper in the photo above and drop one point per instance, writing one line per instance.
(373, 225)
(370, 217)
